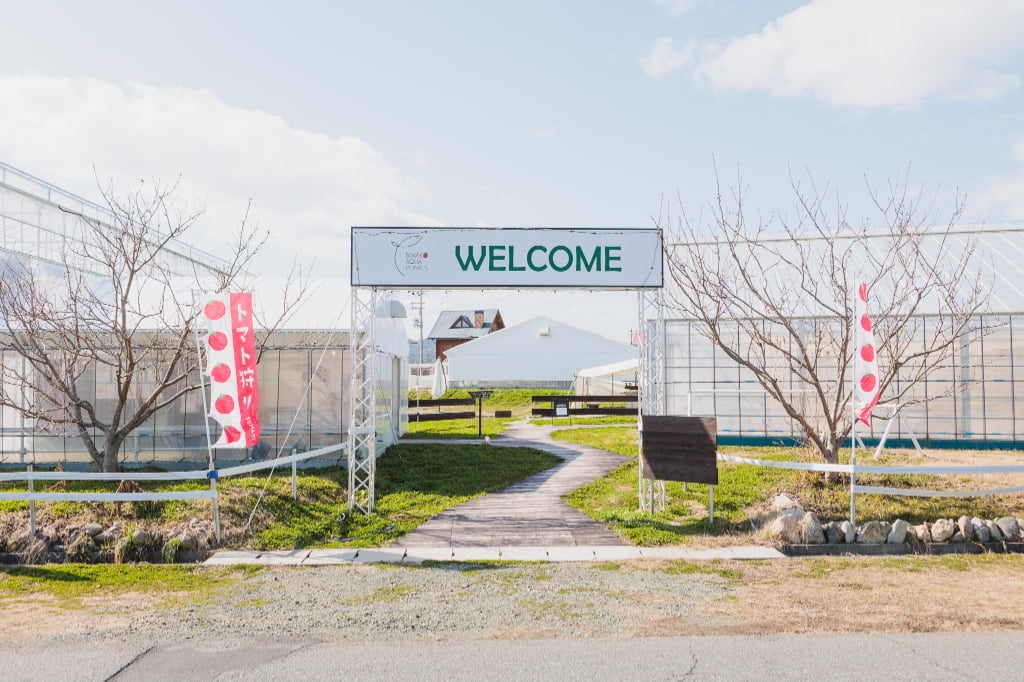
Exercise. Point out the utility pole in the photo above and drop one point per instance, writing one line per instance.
(418, 305)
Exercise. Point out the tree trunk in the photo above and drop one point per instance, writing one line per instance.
(831, 456)
(110, 451)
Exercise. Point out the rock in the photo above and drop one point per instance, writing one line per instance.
(834, 535)
(115, 527)
(786, 527)
(966, 529)
(942, 530)
(195, 522)
(914, 539)
(873, 532)
(980, 530)
(958, 536)
(140, 536)
(810, 530)
(188, 543)
(898, 533)
(923, 532)
(1009, 527)
(849, 532)
(783, 502)
(993, 531)
(93, 529)
(104, 538)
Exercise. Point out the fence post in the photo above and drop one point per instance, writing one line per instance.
(295, 488)
(31, 504)
(216, 509)
(853, 484)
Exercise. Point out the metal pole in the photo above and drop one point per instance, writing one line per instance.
(853, 467)
(480, 417)
(31, 504)
(711, 504)
(216, 509)
(202, 391)
(853, 429)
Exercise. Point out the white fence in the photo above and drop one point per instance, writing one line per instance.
(32, 496)
(854, 469)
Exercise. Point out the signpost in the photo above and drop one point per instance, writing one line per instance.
(515, 258)
(480, 395)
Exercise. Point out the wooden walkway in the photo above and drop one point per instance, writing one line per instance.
(529, 513)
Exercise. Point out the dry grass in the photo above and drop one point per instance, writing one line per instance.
(863, 594)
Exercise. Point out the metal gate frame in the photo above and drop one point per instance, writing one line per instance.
(362, 425)
(650, 386)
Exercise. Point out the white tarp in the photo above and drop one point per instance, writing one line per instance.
(611, 379)
(541, 351)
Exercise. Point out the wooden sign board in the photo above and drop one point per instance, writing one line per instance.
(680, 449)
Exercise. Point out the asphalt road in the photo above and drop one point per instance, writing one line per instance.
(922, 656)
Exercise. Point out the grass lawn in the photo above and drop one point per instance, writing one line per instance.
(70, 584)
(456, 428)
(612, 499)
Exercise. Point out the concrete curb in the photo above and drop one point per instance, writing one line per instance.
(417, 555)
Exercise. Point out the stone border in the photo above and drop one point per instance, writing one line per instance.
(888, 549)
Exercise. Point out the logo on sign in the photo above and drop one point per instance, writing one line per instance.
(409, 259)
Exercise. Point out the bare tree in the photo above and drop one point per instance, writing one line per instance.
(776, 296)
(118, 311)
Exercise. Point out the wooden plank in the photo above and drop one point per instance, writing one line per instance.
(668, 470)
(444, 402)
(585, 398)
(681, 425)
(584, 411)
(439, 416)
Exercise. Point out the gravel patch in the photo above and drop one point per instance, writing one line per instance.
(457, 601)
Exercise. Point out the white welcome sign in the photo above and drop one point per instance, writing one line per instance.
(518, 258)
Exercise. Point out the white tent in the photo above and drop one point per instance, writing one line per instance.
(617, 378)
(538, 353)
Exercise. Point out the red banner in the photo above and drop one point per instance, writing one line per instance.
(231, 365)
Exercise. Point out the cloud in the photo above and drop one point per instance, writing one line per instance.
(306, 187)
(1005, 195)
(866, 54)
(664, 58)
(677, 7)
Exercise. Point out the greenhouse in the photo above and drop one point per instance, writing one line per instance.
(971, 396)
(304, 375)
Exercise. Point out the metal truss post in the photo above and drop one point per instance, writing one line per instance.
(651, 385)
(362, 423)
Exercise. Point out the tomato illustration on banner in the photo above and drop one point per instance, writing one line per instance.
(231, 366)
(866, 384)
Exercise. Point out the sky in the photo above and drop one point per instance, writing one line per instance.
(578, 113)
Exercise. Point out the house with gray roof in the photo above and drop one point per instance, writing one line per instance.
(455, 327)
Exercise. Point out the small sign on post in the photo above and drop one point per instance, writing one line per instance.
(680, 449)
(561, 406)
(480, 395)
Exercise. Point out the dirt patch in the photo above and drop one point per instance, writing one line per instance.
(894, 594)
(40, 615)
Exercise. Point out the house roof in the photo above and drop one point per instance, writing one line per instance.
(442, 329)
